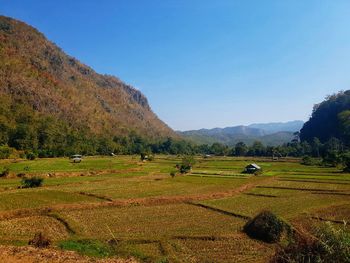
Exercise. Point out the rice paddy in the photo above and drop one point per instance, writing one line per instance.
(120, 206)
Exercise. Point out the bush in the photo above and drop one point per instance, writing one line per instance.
(32, 182)
(186, 165)
(173, 174)
(39, 241)
(30, 156)
(327, 244)
(146, 156)
(5, 152)
(331, 159)
(307, 160)
(266, 226)
(5, 172)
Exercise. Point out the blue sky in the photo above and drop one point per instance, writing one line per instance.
(205, 64)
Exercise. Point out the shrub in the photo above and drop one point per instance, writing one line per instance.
(30, 156)
(32, 182)
(39, 241)
(173, 174)
(266, 226)
(307, 160)
(145, 156)
(327, 244)
(5, 172)
(186, 165)
(5, 152)
(331, 159)
(5, 27)
(151, 157)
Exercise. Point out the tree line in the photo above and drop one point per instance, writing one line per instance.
(326, 135)
(52, 143)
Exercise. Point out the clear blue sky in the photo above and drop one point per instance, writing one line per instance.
(207, 63)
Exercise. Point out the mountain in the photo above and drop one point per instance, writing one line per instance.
(330, 118)
(232, 131)
(291, 126)
(45, 92)
(267, 133)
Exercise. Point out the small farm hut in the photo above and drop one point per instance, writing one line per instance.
(252, 168)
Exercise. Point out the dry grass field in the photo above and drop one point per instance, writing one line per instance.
(115, 208)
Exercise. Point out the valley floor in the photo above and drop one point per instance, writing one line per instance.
(119, 209)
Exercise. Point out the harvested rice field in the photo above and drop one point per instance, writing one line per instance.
(119, 209)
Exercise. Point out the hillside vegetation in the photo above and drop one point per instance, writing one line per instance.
(329, 119)
(51, 102)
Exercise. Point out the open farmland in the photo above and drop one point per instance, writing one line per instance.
(121, 207)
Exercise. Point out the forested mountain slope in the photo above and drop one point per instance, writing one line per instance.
(49, 99)
(330, 118)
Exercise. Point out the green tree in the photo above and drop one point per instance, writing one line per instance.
(257, 149)
(316, 147)
(333, 145)
(219, 149)
(346, 161)
(241, 149)
(24, 137)
(5, 152)
(344, 121)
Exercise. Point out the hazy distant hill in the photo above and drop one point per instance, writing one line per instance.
(46, 93)
(268, 133)
(291, 126)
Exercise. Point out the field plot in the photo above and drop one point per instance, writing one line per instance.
(122, 207)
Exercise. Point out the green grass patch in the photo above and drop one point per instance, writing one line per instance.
(88, 247)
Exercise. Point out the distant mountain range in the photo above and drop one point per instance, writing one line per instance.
(268, 133)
